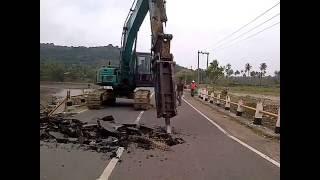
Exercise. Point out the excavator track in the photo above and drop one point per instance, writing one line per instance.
(94, 100)
(142, 99)
(99, 97)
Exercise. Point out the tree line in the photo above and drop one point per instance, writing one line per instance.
(216, 73)
(76, 64)
(53, 71)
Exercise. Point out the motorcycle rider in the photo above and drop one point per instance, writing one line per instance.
(193, 87)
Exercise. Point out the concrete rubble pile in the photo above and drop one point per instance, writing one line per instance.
(104, 136)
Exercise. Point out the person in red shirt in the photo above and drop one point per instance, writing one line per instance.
(193, 88)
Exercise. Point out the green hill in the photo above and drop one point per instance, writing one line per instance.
(79, 55)
(63, 63)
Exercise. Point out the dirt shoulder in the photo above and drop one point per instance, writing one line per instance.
(270, 147)
(275, 99)
(46, 94)
(64, 85)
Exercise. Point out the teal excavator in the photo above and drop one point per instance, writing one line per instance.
(124, 80)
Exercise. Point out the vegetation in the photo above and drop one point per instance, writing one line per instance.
(77, 64)
(247, 89)
(263, 68)
(225, 76)
(248, 68)
(215, 71)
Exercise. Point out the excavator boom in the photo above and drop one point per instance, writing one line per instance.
(162, 60)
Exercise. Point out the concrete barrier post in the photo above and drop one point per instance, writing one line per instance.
(200, 94)
(258, 114)
(240, 108)
(68, 101)
(277, 129)
(227, 105)
(218, 99)
(211, 97)
(206, 95)
(68, 94)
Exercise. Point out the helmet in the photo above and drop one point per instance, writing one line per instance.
(193, 81)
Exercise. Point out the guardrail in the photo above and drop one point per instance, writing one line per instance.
(68, 101)
(203, 94)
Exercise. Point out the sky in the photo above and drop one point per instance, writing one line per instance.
(195, 25)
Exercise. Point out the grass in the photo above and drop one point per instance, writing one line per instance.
(263, 90)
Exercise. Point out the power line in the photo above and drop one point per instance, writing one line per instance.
(249, 30)
(254, 34)
(249, 22)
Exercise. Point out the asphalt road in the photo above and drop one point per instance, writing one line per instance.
(207, 153)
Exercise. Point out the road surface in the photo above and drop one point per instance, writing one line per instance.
(207, 154)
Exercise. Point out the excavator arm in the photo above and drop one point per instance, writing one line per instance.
(162, 60)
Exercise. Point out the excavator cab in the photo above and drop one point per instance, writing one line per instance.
(143, 74)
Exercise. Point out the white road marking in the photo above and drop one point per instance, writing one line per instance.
(108, 170)
(236, 139)
(137, 121)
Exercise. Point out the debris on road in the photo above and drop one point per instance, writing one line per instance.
(104, 136)
(108, 118)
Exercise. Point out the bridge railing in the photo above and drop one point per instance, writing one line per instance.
(69, 102)
(259, 111)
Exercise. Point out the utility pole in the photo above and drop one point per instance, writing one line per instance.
(207, 60)
(198, 69)
(200, 52)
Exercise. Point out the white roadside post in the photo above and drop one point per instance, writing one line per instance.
(68, 101)
(200, 94)
(277, 129)
(218, 99)
(258, 115)
(82, 99)
(240, 108)
(206, 95)
(227, 105)
(211, 97)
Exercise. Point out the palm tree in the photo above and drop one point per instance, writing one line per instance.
(228, 66)
(248, 68)
(263, 68)
(236, 73)
(277, 75)
(253, 74)
(228, 70)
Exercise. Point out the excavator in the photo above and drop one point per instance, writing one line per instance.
(123, 81)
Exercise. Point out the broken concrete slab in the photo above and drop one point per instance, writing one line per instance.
(105, 136)
(58, 136)
(89, 126)
(107, 127)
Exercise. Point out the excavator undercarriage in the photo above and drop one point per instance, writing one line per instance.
(100, 97)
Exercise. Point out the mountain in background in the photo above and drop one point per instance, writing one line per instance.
(96, 56)
(79, 62)
(79, 55)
